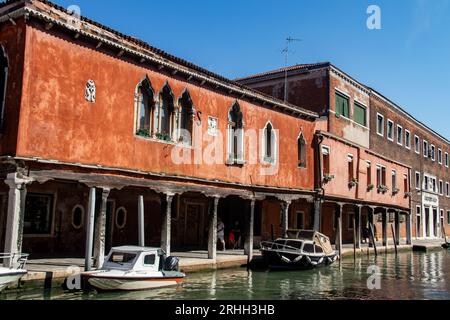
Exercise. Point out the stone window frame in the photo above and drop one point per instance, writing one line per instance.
(418, 185)
(83, 211)
(425, 149)
(235, 129)
(301, 151)
(440, 156)
(394, 179)
(433, 152)
(446, 159)
(447, 190)
(392, 136)
(272, 159)
(400, 135)
(380, 133)
(441, 187)
(417, 144)
(407, 139)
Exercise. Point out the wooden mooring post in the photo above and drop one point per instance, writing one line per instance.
(394, 237)
(354, 238)
(372, 238)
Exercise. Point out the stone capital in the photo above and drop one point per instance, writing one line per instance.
(17, 181)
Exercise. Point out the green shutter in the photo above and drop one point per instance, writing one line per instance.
(342, 106)
(359, 114)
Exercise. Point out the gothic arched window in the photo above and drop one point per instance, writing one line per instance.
(269, 144)
(235, 135)
(166, 114)
(145, 107)
(185, 121)
(301, 155)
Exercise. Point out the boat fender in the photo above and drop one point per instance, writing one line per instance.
(285, 259)
(309, 260)
(329, 260)
(298, 259)
(320, 261)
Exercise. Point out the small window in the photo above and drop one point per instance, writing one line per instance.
(394, 180)
(150, 259)
(342, 105)
(307, 247)
(433, 153)
(390, 130)
(360, 114)
(301, 145)
(350, 168)
(235, 135)
(447, 189)
(380, 125)
(318, 249)
(441, 187)
(418, 182)
(446, 159)
(448, 217)
(121, 218)
(405, 183)
(326, 160)
(417, 144)
(439, 156)
(426, 183)
(399, 135)
(269, 144)
(369, 174)
(425, 148)
(407, 139)
(78, 217)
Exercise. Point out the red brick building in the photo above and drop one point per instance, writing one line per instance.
(104, 135)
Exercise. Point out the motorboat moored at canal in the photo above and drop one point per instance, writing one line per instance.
(10, 276)
(132, 268)
(302, 249)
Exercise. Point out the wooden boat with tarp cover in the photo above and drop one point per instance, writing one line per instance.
(301, 249)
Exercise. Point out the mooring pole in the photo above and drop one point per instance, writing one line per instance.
(90, 231)
(372, 237)
(354, 238)
(141, 221)
(394, 237)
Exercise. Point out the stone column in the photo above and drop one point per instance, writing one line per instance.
(89, 230)
(15, 215)
(212, 234)
(358, 226)
(249, 239)
(339, 228)
(371, 225)
(285, 217)
(408, 228)
(397, 227)
(317, 216)
(100, 231)
(166, 224)
(141, 221)
(385, 227)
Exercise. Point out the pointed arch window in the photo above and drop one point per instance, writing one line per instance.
(269, 144)
(185, 121)
(3, 82)
(166, 121)
(301, 151)
(145, 108)
(235, 135)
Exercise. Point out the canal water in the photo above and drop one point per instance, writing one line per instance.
(407, 276)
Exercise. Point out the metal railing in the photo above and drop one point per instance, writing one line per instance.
(17, 260)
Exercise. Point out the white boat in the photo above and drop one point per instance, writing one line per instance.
(135, 268)
(10, 276)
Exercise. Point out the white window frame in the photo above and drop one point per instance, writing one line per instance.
(382, 125)
(425, 149)
(387, 130)
(446, 159)
(394, 175)
(441, 187)
(447, 190)
(433, 152)
(417, 145)
(272, 160)
(418, 185)
(400, 137)
(440, 156)
(408, 141)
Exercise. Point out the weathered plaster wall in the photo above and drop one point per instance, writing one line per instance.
(57, 123)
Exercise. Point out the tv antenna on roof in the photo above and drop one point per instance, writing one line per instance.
(289, 40)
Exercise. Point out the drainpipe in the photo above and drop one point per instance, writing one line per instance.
(319, 183)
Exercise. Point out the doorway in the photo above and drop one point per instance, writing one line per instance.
(194, 227)
(427, 222)
(435, 222)
(110, 219)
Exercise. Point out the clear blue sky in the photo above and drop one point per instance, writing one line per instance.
(408, 60)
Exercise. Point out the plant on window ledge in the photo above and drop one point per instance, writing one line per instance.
(143, 133)
(408, 194)
(163, 136)
(395, 191)
(370, 187)
(269, 160)
(327, 177)
(353, 183)
(382, 188)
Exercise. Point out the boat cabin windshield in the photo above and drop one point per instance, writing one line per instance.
(122, 257)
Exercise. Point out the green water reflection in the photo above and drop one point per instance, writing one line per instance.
(408, 276)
